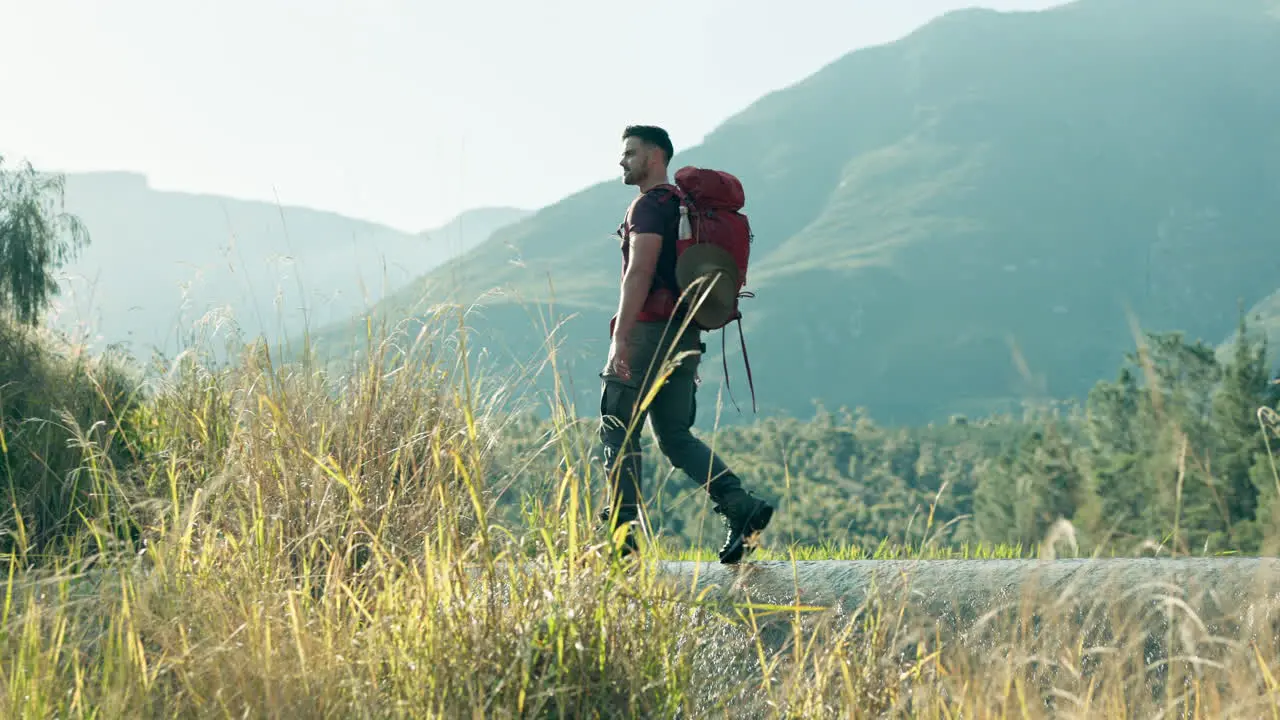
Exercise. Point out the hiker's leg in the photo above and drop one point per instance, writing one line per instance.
(620, 436)
(622, 426)
(673, 412)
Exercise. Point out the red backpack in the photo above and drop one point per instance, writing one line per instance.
(713, 200)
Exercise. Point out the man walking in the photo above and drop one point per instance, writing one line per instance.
(646, 334)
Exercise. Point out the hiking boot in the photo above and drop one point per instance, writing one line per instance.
(629, 543)
(746, 516)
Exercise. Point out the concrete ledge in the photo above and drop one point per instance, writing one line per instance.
(962, 590)
(1148, 623)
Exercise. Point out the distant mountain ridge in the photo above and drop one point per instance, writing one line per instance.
(263, 261)
(955, 222)
(472, 227)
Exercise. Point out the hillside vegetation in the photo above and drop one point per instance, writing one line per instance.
(976, 215)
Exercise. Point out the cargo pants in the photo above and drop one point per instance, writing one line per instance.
(671, 412)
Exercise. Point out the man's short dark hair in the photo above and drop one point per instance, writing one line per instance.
(652, 135)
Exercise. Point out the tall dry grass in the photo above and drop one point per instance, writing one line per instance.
(308, 543)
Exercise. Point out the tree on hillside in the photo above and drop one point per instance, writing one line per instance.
(1246, 387)
(1032, 485)
(1177, 451)
(1265, 474)
(36, 237)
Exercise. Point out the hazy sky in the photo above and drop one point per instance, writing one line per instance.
(397, 111)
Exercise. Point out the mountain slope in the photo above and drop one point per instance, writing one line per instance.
(261, 260)
(957, 221)
(469, 229)
(1263, 323)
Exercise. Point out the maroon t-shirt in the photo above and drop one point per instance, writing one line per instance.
(656, 211)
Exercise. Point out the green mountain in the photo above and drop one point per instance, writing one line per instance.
(977, 214)
(159, 261)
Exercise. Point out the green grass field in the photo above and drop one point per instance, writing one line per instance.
(266, 541)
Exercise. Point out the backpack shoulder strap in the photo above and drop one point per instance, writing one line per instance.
(672, 189)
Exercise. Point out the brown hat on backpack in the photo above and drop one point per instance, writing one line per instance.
(719, 272)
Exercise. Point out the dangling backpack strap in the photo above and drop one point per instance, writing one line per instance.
(747, 363)
(724, 359)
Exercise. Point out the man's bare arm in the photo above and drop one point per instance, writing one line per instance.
(643, 260)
